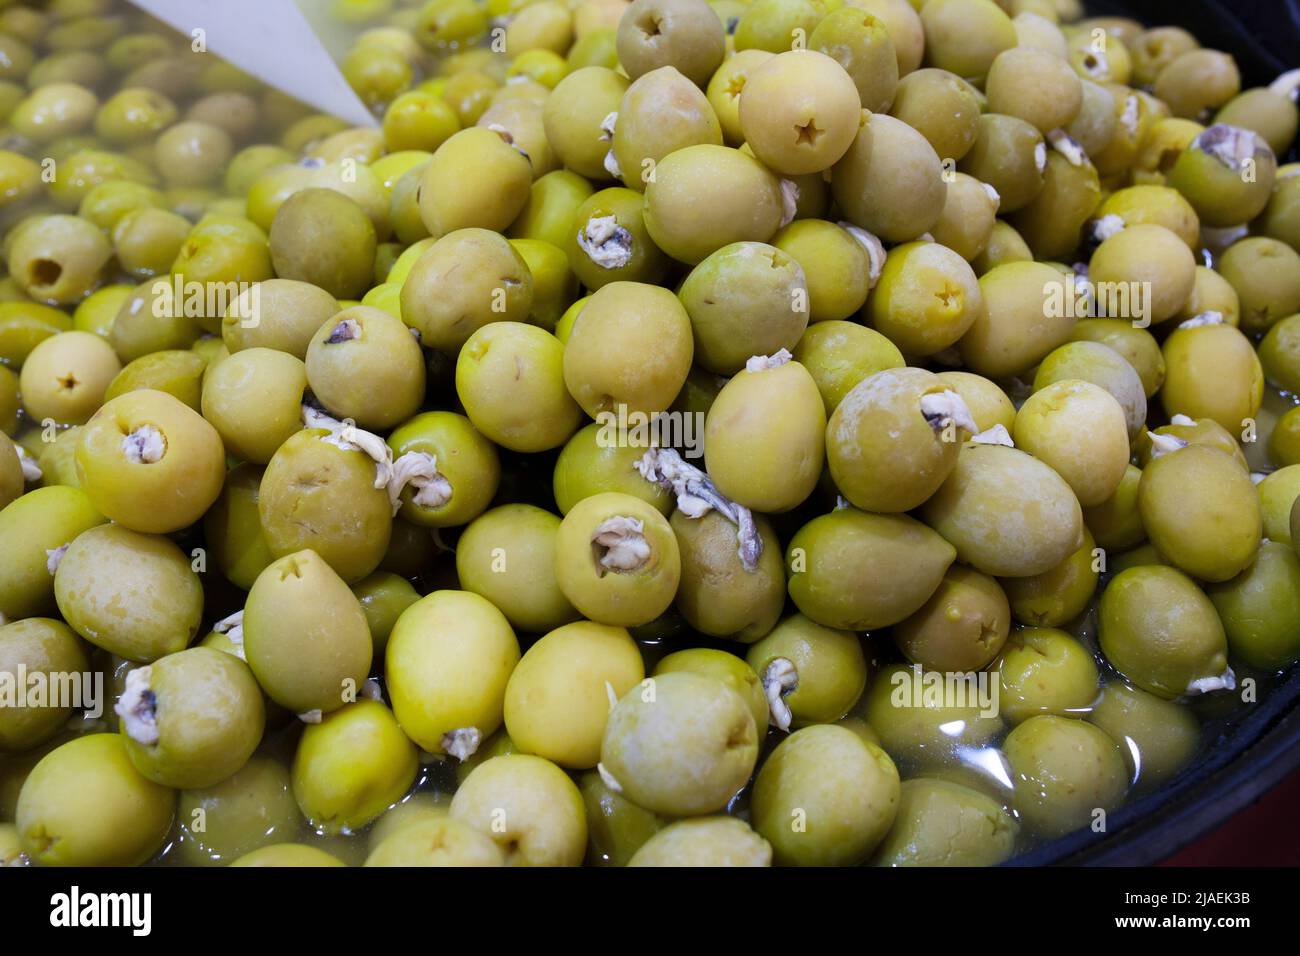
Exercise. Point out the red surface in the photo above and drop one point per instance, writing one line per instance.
(1267, 833)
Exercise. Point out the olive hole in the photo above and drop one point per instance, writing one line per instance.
(598, 552)
(807, 134)
(45, 272)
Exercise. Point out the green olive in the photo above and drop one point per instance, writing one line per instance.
(134, 115)
(383, 597)
(474, 156)
(529, 807)
(147, 241)
(606, 240)
(1037, 522)
(818, 672)
(447, 312)
(660, 113)
(347, 353)
(825, 797)
(859, 571)
(250, 809)
(1017, 326)
(593, 462)
(839, 355)
(1061, 419)
(573, 115)
(220, 250)
(942, 823)
(436, 842)
(962, 627)
(288, 855)
(58, 259)
(1158, 737)
(1056, 597)
(1137, 346)
(510, 378)
(9, 401)
(987, 403)
(132, 594)
(352, 766)
(322, 496)
(32, 526)
(1160, 631)
(706, 841)
(178, 372)
(719, 594)
(505, 555)
(418, 808)
(553, 201)
(764, 437)
(31, 650)
(1045, 671)
(605, 357)
(1209, 174)
(746, 299)
(233, 529)
(773, 24)
(559, 695)
(305, 636)
(23, 325)
(254, 401)
(1258, 608)
(616, 827)
(281, 314)
(466, 462)
(1066, 772)
(58, 460)
(1103, 366)
(617, 560)
(788, 96)
(704, 197)
(1152, 256)
(733, 671)
(913, 414)
(191, 719)
(447, 665)
(1277, 495)
(85, 805)
(149, 320)
(1213, 542)
(150, 462)
(890, 182)
(342, 266)
(926, 298)
(555, 286)
(1052, 222)
(680, 743)
(924, 717)
(684, 33)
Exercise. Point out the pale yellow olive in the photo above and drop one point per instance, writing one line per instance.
(447, 665)
(559, 695)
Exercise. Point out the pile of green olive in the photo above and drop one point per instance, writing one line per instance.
(679, 432)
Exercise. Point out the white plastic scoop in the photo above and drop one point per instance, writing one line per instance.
(273, 40)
